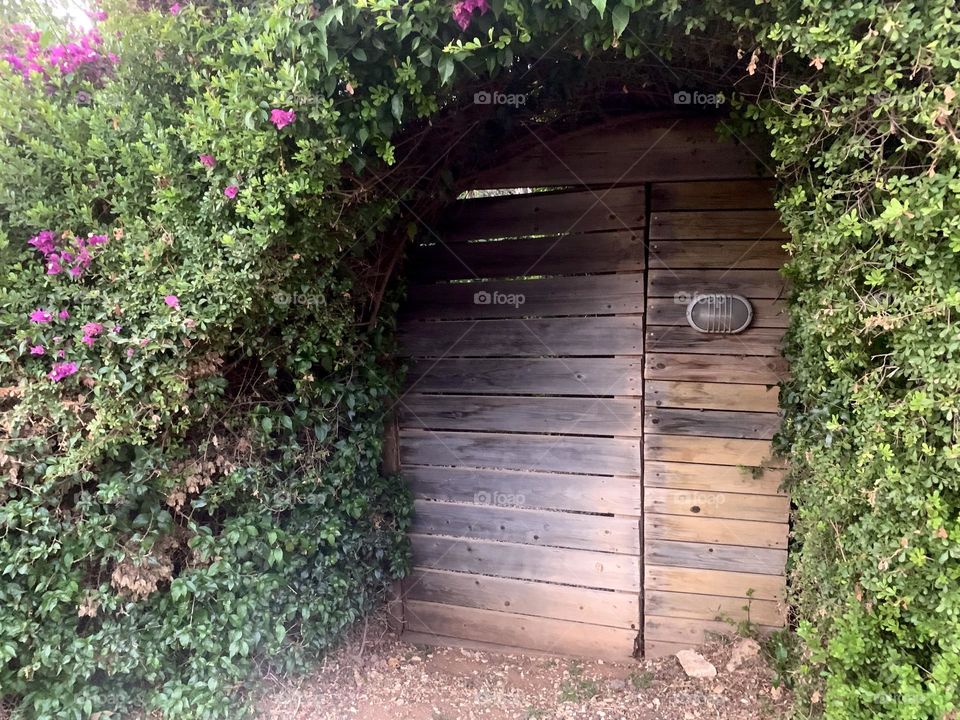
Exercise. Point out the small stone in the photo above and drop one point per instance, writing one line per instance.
(744, 650)
(695, 665)
(616, 684)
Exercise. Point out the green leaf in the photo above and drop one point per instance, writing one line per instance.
(621, 16)
(600, 5)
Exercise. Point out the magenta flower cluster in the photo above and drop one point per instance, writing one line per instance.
(463, 11)
(282, 118)
(68, 253)
(82, 55)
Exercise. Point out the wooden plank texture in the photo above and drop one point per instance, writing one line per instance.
(714, 607)
(711, 396)
(587, 295)
(767, 313)
(711, 423)
(530, 527)
(716, 478)
(711, 451)
(597, 252)
(735, 369)
(713, 195)
(560, 602)
(693, 528)
(549, 376)
(684, 285)
(524, 338)
(707, 504)
(680, 339)
(583, 568)
(717, 225)
(579, 416)
(544, 634)
(712, 556)
(544, 213)
(557, 491)
(717, 254)
(717, 582)
(601, 456)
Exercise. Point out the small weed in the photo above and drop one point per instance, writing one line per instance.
(535, 713)
(578, 688)
(641, 680)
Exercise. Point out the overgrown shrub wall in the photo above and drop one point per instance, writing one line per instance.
(194, 487)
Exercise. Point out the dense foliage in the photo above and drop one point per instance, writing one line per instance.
(193, 485)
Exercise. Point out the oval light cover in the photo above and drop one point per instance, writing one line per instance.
(720, 313)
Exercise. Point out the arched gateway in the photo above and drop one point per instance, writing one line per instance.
(583, 443)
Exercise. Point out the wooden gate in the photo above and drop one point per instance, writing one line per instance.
(584, 462)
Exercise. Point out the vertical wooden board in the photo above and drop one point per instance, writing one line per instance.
(711, 423)
(585, 568)
(711, 451)
(717, 254)
(735, 506)
(717, 582)
(714, 607)
(711, 556)
(767, 313)
(713, 195)
(712, 478)
(559, 602)
(735, 369)
(723, 531)
(717, 225)
(712, 396)
(557, 491)
(522, 631)
(531, 527)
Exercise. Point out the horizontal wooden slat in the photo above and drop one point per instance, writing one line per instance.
(678, 339)
(560, 602)
(767, 313)
(525, 631)
(699, 503)
(711, 396)
(583, 295)
(557, 336)
(558, 491)
(544, 213)
(714, 582)
(530, 527)
(597, 252)
(717, 368)
(584, 568)
(578, 416)
(713, 195)
(712, 451)
(598, 456)
(711, 423)
(713, 556)
(715, 478)
(717, 254)
(717, 225)
(713, 607)
(653, 649)
(549, 376)
(684, 285)
(692, 528)
(685, 630)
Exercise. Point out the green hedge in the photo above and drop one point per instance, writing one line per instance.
(203, 492)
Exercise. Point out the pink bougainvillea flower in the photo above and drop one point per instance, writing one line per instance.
(53, 266)
(282, 118)
(62, 370)
(40, 316)
(230, 191)
(130, 352)
(175, 9)
(172, 301)
(93, 329)
(88, 340)
(117, 328)
(63, 314)
(61, 353)
(463, 11)
(208, 160)
(37, 350)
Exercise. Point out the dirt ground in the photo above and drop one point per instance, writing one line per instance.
(374, 676)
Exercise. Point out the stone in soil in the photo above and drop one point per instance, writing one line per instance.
(695, 665)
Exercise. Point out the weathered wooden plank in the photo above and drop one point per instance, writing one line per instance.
(543, 634)
(687, 631)
(713, 195)
(600, 456)
(544, 213)
(711, 396)
(682, 339)
(711, 423)
(717, 582)
(598, 252)
(584, 568)
(506, 413)
(530, 527)
(683, 285)
(583, 295)
(723, 531)
(717, 368)
(717, 254)
(714, 478)
(713, 556)
(560, 602)
(712, 451)
(557, 491)
(430, 640)
(653, 649)
(717, 225)
(714, 607)
(707, 504)
(549, 376)
(767, 313)
(555, 336)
